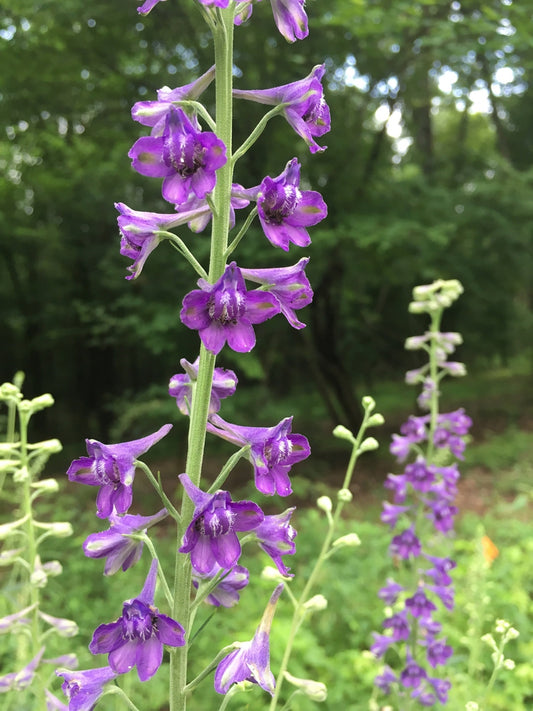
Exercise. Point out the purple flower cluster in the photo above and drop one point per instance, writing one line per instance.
(422, 511)
(184, 151)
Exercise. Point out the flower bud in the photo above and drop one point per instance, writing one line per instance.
(7, 465)
(38, 578)
(6, 529)
(316, 603)
(59, 529)
(64, 628)
(46, 485)
(42, 401)
(368, 403)
(376, 419)
(49, 446)
(272, 574)
(344, 495)
(350, 540)
(324, 503)
(10, 556)
(472, 706)
(315, 690)
(508, 664)
(368, 444)
(342, 432)
(53, 568)
(8, 391)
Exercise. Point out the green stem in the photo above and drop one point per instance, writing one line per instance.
(228, 468)
(258, 130)
(31, 556)
(333, 521)
(119, 692)
(223, 41)
(434, 375)
(182, 248)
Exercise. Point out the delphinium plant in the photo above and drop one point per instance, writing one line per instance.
(192, 152)
(29, 627)
(421, 517)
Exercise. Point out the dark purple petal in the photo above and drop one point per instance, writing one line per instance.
(106, 638)
(226, 549)
(169, 631)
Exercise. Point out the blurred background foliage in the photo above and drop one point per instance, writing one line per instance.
(428, 173)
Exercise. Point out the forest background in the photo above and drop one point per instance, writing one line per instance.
(428, 173)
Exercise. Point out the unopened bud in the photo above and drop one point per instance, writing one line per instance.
(272, 574)
(38, 578)
(59, 529)
(368, 403)
(376, 420)
(316, 603)
(368, 444)
(344, 495)
(324, 503)
(350, 540)
(50, 446)
(7, 465)
(42, 401)
(342, 432)
(315, 690)
(64, 628)
(46, 485)
(53, 568)
(8, 391)
(508, 664)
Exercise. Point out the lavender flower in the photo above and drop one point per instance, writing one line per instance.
(251, 662)
(138, 636)
(226, 593)
(289, 16)
(153, 113)
(226, 311)
(276, 537)
(139, 232)
(181, 386)
(115, 544)
(184, 156)
(285, 211)
(273, 451)
(147, 6)
(304, 105)
(211, 536)
(16, 681)
(111, 467)
(84, 688)
(289, 285)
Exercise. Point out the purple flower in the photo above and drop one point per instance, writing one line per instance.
(138, 636)
(445, 593)
(290, 18)
(381, 644)
(285, 211)
(16, 681)
(211, 536)
(391, 513)
(441, 686)
(440, 570)
(215, 3)
(413, 674)
(251, 662)
(389, 592)
(400, 447)
(304, 105)
(226, 593)
(226, 311)
(420, 475)
(406, 544)
(148, 5)
(84, 688)
(289, 285)
(399, 626)
(139, 232)
(111, 467)
(184, 156)
(398, 484)
(273, 451)
(419, 605)
(441, 514)
(115, 544)
(384, 680)
(438, 652)
(181, 386)
(153, 113)
(238, 201)
(276, 537)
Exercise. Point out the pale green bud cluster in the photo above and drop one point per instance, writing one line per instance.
(436, 296)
